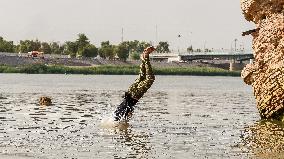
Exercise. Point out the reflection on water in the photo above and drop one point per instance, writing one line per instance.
(180, 117)
(133, 145)
(265, 139)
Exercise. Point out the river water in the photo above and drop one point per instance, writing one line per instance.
(179, 117)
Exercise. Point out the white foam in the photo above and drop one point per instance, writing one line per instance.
(109, 123)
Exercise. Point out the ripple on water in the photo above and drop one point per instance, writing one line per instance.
(183, 122)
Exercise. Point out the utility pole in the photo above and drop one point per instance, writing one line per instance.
(122, 32)
(156, 34)
(236, 45)
(179, 36)
(204, 46)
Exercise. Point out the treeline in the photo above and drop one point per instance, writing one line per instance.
(82, 47)
(115, 70)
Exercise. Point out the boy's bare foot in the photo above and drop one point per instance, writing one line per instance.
(147, 51)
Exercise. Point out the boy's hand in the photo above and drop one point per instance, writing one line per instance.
(149, 50)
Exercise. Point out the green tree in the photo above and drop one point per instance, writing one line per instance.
(142, 45)
(70, 48)
(133, 45)
(107, 50)
(35, 45)
(23, 46)
(163, 47)
(122, 51)
(88, 51)
(135, 56)
(29, 45)
(6, 46)
(55, 48)
(82, 41)
(45, 48)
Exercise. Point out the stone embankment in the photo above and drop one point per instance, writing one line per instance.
(266, 74)
(14, 60)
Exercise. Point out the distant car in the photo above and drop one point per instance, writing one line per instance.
(36, 54)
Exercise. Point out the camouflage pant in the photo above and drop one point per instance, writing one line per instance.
(144, 80)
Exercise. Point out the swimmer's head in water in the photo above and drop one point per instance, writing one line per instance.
(45, 101)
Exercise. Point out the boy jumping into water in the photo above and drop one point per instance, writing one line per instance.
(138, 88)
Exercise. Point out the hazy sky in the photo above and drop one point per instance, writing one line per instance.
(209, 23)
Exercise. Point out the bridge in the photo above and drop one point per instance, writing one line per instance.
(236, 56)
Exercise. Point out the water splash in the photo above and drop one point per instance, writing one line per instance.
(108, 122)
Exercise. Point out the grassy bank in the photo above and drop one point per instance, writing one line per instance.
(115, 70)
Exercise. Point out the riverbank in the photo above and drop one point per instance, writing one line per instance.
(115, 70)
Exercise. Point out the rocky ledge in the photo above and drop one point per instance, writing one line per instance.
(266, 74)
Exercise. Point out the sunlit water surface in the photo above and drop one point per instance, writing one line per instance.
(179, 117)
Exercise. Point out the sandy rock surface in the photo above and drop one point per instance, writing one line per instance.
(266, 74)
